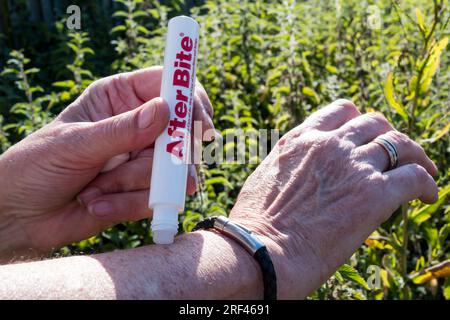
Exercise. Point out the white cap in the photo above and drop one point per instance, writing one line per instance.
(164, 224)
(163, 236)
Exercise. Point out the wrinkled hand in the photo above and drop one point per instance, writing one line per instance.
(325, 188)
(103, 141)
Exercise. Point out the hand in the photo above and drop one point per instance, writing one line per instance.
(325, 188)
(104, 141)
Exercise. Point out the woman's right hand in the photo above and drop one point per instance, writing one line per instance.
(325, 188)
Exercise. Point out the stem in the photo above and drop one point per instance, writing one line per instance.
(27, 90)
(404, 258)
(412, 119)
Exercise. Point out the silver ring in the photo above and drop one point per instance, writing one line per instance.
(391, 150)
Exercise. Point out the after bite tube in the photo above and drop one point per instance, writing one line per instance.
(172, 147)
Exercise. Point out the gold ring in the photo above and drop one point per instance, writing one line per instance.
(391, 150)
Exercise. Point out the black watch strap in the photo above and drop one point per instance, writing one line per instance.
(256, 248)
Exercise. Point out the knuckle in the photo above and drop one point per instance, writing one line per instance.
(379, 119)
(375, 183)
(96, 85)
(117, 126)
(417, 146)
(73, 132)
(322, 143)
(347, 104)
(401, 139)
(419, 172)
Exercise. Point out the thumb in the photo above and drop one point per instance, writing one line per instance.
(132, 130)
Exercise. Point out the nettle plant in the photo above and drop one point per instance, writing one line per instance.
(34, 112)
(4, 142)
(264, 70)
(408, 90)
(81, 77)
(137, 46)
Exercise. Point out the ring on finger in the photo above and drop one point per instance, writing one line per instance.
(390, 149)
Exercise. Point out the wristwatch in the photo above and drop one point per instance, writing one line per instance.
(251, 243)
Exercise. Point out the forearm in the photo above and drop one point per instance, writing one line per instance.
(198, 265)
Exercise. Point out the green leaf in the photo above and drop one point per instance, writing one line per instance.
(140, 13)
(65, 96)
(431, 235)
(118, 29)
(424, 213)
(73, 47)
(227, 117)
(154, 13)
(120, 14)
(447, 289)
(442, 132)
(64, 84)
(351, 274)
(339, 277)
(310, 93)
(9, 71)
(87, 51)
(421, 21)
(432, 63)
(331, 69)
(257, 38)
(142, 29)
(32, 70)
(444, 232)
(219, 180)
(191, 220)
(389, 94)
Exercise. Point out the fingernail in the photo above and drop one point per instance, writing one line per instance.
(436, 169)
(100, 208)
(147, 114)
(88, 194)
(217, 134)
(192, 180)
(209, 135)
(193, 173)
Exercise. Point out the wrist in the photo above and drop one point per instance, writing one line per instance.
(299, 269)
(241, 276)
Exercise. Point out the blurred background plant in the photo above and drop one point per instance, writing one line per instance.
(264, 64)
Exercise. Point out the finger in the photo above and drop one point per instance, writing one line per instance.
(134, 175)
(332, 116)
(364, 128)
(119, 207)
(408, 151)
(115, 161)
(142, 153)
(125, 132)
(192, 181)
(202, 125)
(410, 182)
(130, 176)
(200, 92)
(202, 117)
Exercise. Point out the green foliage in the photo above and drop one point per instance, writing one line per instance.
(269, 64)
(81, 77)
(33, 112)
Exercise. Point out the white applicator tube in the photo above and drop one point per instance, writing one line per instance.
(172, 147)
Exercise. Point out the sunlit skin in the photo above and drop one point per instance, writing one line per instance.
(317, 196)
